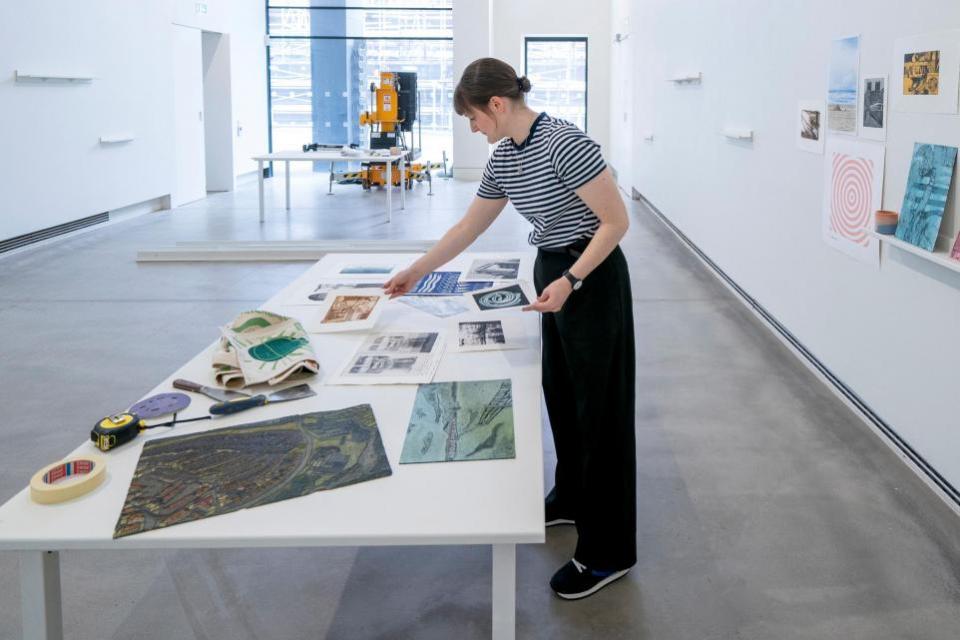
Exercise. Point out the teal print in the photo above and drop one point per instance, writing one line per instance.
(928, 184)
(460, 421)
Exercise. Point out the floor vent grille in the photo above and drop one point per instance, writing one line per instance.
(51, 232)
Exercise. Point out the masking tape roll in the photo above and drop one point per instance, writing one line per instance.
(67, 479)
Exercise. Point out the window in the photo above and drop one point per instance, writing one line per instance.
(557, 69)
(324, 54)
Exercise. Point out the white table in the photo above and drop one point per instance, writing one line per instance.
(493, 502)
(332, 156)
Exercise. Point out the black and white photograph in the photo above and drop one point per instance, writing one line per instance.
(500, 298)
(809, 125)
(478, 332)
(393, 357)
(491, 269)
(873, 107)
(482, 333)
(375, 365)
(874, 90)
(401, 343)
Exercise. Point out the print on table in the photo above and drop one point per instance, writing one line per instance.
(483, 332)
(366, 270)
(350, 308)
(928, 184)
(393, 357)
(441, 307)
(196, 476)
(377, 365)
(400, 343)
(504, 298)
(454, 421)
(322, 289)
(445, 283)
(494, 269)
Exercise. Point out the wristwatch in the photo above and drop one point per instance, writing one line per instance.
(574, 281)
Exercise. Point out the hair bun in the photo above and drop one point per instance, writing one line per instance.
(524, 84)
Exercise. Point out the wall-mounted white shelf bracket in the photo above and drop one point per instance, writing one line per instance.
(52, 78)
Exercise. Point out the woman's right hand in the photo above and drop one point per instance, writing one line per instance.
(402, 282)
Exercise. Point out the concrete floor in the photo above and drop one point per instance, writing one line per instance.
(766, 509)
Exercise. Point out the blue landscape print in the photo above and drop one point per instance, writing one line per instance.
(926, 197)
(843, 84)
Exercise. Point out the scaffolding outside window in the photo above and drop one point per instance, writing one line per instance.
(324, 55)
(557, 69)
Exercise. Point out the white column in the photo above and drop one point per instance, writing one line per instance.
(40, 595)
(472, 39)
(260, 186)
(504, 591)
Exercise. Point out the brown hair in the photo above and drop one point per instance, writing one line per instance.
(484, 79)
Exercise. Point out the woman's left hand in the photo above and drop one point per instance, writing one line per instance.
(552, 298)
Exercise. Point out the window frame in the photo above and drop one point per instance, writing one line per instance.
(270, 37)
(586, 66)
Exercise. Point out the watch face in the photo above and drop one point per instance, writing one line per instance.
(578, 285)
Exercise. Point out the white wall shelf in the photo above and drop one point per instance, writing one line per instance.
(941, 258)
(688, 78)
(734, 133)
(117, 139)
(52, 78)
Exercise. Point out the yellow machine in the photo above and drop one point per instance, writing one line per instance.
(385, 117)
(394, 112)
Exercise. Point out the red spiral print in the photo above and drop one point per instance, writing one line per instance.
(852, 198)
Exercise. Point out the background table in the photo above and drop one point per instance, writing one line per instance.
(331, 156)
(491, 502)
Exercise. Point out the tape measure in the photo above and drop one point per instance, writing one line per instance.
(114, 431)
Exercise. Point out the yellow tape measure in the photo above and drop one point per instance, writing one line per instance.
(114, 431)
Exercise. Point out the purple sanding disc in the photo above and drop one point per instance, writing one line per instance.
(161, 404)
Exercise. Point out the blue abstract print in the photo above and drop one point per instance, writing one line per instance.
(927, 187)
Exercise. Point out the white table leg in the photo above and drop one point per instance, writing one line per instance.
(260, 185)
(287, 169)
(389, 190)
(403, 184)
(504, 591)
(40, 595)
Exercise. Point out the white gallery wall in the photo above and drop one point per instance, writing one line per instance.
(513, 21)
(497, 28)
(54, 168)
(889, 333)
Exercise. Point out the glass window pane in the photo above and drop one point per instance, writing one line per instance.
(368, 23)
(557, 70)
(320, 87)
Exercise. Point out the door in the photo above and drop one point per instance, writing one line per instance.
(189, 155)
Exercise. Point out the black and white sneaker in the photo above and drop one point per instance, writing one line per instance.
(574, 580)
(555, 516)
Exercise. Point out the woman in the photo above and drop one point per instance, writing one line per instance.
(556, 178)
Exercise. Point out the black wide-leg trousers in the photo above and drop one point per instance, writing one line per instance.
(588, 384)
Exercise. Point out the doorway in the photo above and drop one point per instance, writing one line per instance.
(203, 133)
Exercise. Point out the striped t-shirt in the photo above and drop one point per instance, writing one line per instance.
(540, 176)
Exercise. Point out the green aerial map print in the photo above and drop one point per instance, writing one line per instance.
(205, 474)
(460, 421)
